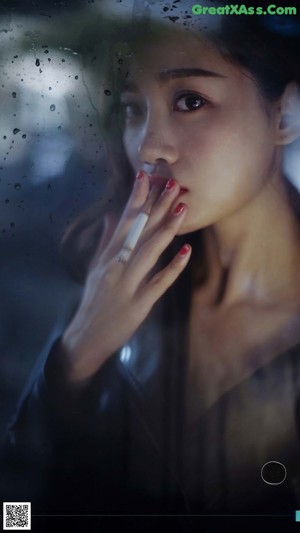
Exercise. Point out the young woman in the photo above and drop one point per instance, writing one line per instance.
(176, 379)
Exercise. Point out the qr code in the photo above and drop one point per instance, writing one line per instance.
(17, 515)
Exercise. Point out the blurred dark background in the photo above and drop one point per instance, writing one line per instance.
(51, 169)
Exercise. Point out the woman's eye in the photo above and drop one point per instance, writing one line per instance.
(189, 102)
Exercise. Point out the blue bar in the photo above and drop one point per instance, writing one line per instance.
(297, 516)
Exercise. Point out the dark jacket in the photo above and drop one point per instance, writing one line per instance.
(124, 447)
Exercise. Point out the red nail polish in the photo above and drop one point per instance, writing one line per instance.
(179, 209)
(140, 175)
(184, 250)
(170, 185)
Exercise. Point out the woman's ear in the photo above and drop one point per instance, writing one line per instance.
(288, 122)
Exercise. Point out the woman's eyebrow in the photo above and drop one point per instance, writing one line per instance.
(170, 74)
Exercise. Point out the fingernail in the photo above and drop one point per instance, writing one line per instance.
(179, 209)
(184, 250)
(140, 175)
(170, 185)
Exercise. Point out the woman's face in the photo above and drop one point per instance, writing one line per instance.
(202, 121)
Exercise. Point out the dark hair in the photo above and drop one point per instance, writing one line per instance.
(269, 56)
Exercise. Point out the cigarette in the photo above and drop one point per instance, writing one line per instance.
(138, 226)
(134, 235)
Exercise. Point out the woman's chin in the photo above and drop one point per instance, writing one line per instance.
(185, 229)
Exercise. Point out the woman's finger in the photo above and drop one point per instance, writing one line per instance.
(162, 280)
(145, 258)
(161, 208)
(152, 214)
(109, 224)
(133, 207)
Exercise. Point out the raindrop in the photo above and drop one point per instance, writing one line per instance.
(37, 63)
(14, 94)
(24, 136)
(76, 77)
(12, 224)
(107, 92)
(18, 186)
(46, 51)
(52, 107)
(15, 131)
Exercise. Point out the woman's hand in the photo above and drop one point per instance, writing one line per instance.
(118, 296)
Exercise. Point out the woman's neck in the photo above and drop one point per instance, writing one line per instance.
(255, 253)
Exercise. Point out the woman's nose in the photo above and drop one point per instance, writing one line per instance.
(158, 143)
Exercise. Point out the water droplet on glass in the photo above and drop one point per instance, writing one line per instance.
(14, 94)
(15, 131)
(37, 63)
(52, 107)
(18, 186)
(107, 92)
(24, 136)
(76, 77)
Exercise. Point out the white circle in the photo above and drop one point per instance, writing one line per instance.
(272, 462)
